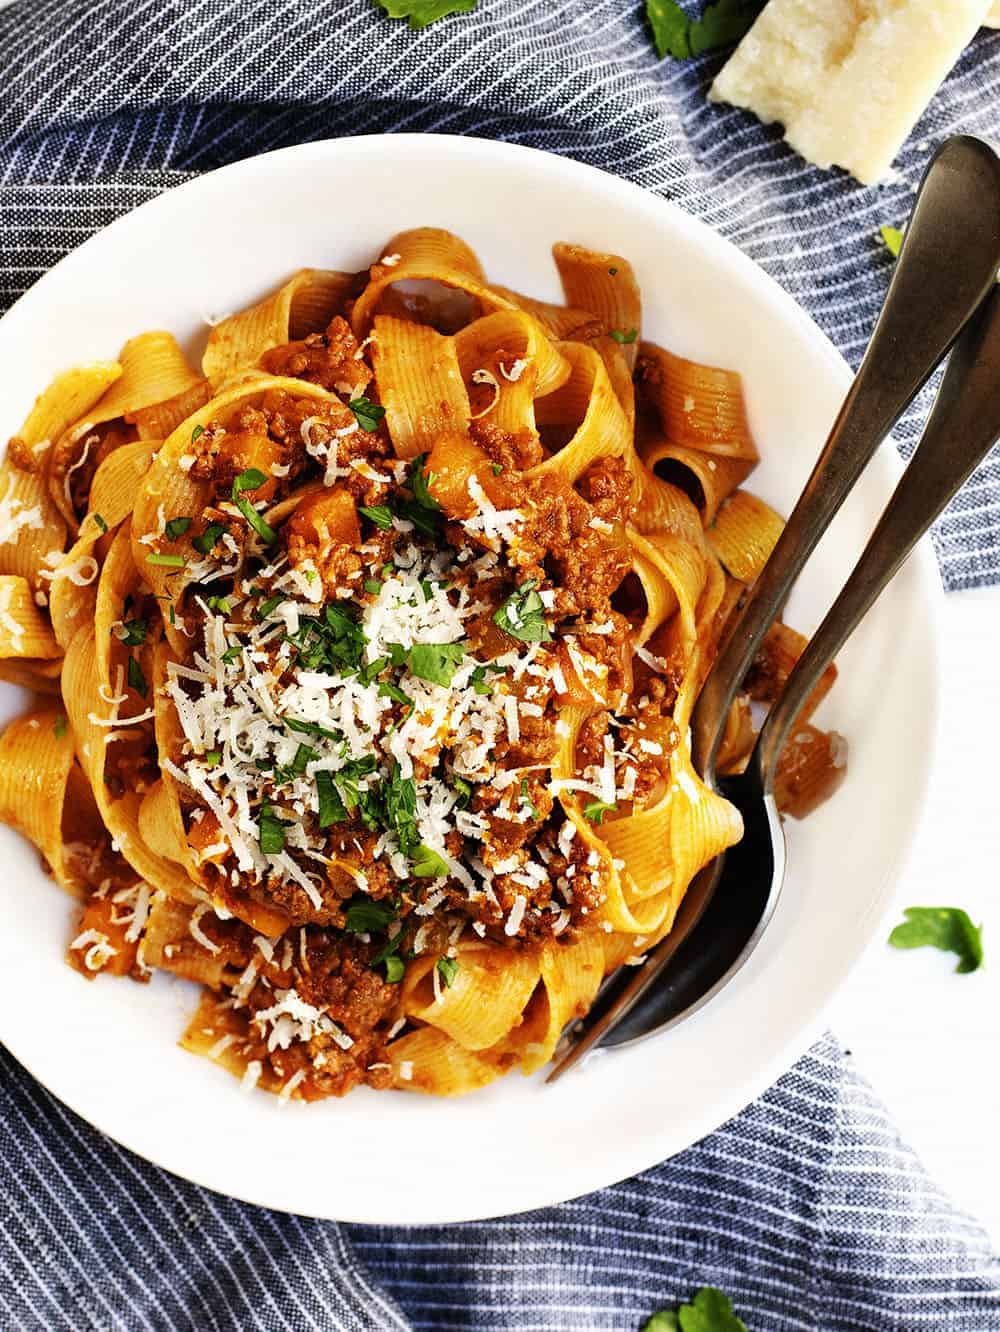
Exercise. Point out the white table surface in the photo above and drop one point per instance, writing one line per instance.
(928, 1040)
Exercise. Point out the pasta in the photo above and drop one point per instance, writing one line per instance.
(365, 657)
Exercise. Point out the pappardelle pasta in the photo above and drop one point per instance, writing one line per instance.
(365, 660)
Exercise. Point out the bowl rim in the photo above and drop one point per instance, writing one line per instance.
(640, 203)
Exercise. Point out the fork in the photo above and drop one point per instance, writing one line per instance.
(946, 269)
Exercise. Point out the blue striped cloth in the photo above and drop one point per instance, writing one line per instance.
(806, 1208)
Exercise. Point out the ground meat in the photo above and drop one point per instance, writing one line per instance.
(607, 486)
(332, 973)
(328, 359)
(513, 452)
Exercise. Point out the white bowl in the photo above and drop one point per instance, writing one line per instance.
(108, 1048)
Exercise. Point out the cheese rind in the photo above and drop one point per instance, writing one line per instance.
(848, 78)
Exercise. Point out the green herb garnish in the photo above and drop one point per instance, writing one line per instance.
(136, 679)
(622, 337)
(947, 928)
(525, 799)
(365, 916)
(368, 414)
(331, 807)
(268, 607)
(447, 969)
(496, 468)
(418, 481)
(176, 528)
(422, 12)
(167, 561)
(309, 728)
(427, 864)
(395, 967)
(436, 662)
(464, 790)
(522, 615)
(134, 634)
(892, 238)
(198, 430)
(60, 726)
(709, 1311)
(232, 654)
(100, 522)
(721, 24)
(373, 586)
(212, 758)
(208, 540)
(252, 479)
(596, 810)
(220, 604)
(271, 831)
(379, 514)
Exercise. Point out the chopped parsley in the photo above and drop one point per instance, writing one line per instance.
(389, 690)
(176, 528)
(100, 522)
(268, 607)
(252, 479)
(709, 1311)
(60, 726)
(399, 797)
(395, 968)
(379, 514)
(496, 468)
(196, 432)
(427, 864)
(208, 540)
(368, 414)
(596, 810)
(220, 604)
(525, 799)
(271, 831)
(621, 336)
(365, 916)
(167, 561)
(419, 480)
(134, 633)
(331, 807)
(373, 586)
(721, 24)
(947, 928)
(232, 654)
(612, 272)
(435, 662)
(447, 969)
(307, 727)
(478, 679)
(892, 238)
(212, 758)
(423, 12)
(136, 679)
(463, 790)
(522, 615)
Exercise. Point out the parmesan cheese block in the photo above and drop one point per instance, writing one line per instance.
(848, 78)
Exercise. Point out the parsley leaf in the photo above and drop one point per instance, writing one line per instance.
(252, 479)
(596, 810)
(379, 514)
(365, 916)
(947, 928)
(427, 864)
(331, 807)
(464, 790)
(268, 607)
(100, 522)
(372, 586)
(167, 561)
(721, 24)
(60, 726)
(368, 414)
(198, 430)
(176, 528)
(136, 679)
(232, 653)
(423, 12)
(134, 633)
(271, 831)
(395, 967)
(305, 727)
(206, 543)
(418, 481)
(447, 970)
(399, 795)
(212, 758)
(892, 238)
(436, 662)
(525, 799)
(522, 615)
(621, 337)
(478, 679)
(709, 1311)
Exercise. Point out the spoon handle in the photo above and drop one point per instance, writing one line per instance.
(962, 429)
(946, 267)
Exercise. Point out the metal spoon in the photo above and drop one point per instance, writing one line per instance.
(946, 268)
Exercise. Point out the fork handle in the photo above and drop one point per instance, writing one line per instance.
(962, 429)
(945, 270)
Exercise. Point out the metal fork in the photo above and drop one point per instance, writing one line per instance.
(947, 267)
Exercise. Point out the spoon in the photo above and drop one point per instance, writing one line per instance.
(946, 268)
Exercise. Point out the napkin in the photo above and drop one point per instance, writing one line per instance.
(806, 1209)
